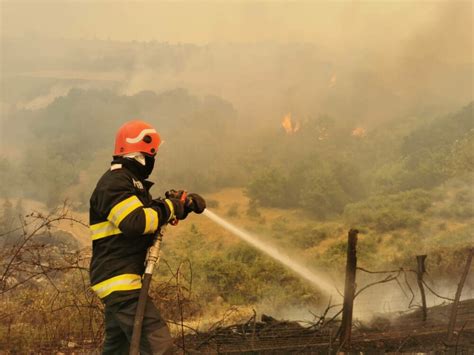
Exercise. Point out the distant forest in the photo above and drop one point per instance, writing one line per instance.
(321, 167)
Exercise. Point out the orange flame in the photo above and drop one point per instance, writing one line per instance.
(359, 132)
(289, 125)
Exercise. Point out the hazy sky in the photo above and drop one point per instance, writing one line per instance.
(336, 24)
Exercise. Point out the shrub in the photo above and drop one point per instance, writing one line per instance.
(462, 212)
(269, 188)
(322, 187)
(280, 225)
(392, 219)
(389, 212)
(308, 237)
(233, 210)
(252, 210)
(212, 203)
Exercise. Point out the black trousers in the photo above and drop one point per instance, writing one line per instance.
(156, 338)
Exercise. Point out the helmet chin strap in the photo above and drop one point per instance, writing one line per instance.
(139, 157)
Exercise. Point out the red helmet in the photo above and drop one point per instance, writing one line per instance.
(137, 136)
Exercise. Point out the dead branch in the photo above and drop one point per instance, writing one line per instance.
(435, 293)
(379, 272)
(385, 280)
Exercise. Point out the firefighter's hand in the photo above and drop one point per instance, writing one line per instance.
(177, 194)
(191, 202)
(195, 203)
(180, 211)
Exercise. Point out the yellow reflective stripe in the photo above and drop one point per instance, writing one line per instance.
(125, 282)
(151, 220)
(123, 209)
(103, 229)
(170, 205)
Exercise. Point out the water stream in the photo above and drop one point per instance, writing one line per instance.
(321, 282)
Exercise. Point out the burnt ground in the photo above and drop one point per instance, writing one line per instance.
(406, 333)
(394, 333)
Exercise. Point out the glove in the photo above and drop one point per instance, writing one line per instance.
(180, 211)
(195, 203)
(192, 202)
(164, 209)
(178, 199)
(176, 194)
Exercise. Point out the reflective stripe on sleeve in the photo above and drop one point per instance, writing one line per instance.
(104, 229)
(170, 205)
(151, 220)
(125, 282)
(123, 209)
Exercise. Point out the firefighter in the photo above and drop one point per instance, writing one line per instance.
(123, 219)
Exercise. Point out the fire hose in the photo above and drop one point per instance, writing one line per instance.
(152, 259)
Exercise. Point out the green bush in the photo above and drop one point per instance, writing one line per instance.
(280, 225)
(334, 258)
(253, 210)
(389, 212)
(321, 188)
(322, 193)
(212, 203)
(462, 212)
(229, 278)
(233, 210)
(392, 219)
(269, 188)
(308, 237)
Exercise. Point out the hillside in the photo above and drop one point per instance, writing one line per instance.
(225, 267)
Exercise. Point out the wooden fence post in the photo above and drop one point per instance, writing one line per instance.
(349, 288)
(420, 259)
(454, 309)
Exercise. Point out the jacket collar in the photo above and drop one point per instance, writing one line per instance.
(132, 166)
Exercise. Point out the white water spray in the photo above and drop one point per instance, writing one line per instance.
(319, 281)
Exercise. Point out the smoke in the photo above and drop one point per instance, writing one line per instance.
(370, 65)
(364, 61)
(44, 100)
(437, 60)
(387, 300)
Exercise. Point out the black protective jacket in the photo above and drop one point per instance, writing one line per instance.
(123, 218)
